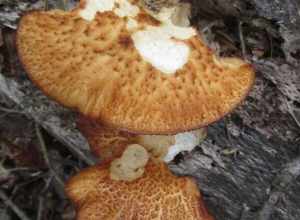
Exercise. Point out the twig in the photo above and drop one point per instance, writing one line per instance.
(241, 35)
(80, 155)
(4, 170)
(13, 206)
(42, 145)
(45, 155)
(3, 109)
(46, 5)
(40, 208)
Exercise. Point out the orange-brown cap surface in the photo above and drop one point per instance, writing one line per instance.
(95, 67)
(158, 195)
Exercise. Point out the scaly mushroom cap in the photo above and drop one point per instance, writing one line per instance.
(95, 67)
(158, 195)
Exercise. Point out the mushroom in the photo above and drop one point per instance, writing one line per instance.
(158, 194)
(130, 70)
(115, 63)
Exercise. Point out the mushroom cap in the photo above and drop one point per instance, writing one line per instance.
(94, 67)
(158, 194)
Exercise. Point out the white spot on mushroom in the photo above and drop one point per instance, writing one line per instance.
(160, 46)
(94, 6)
(124, 9)
(156, 47)
(131, 165)
(166, 147)
(156, 145)
(186, 141)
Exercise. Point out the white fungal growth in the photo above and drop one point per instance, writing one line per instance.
(186, 141)
(166, 147)
(94, 6)
(131, 165)
(123, 9)
(160, 46)
(156, 47)
(126, 9)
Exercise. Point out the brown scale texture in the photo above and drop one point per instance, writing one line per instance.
(106, 143)
(94, 67)
(158, 195)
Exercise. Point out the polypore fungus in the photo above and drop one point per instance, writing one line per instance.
(158, 194)
(114, 62)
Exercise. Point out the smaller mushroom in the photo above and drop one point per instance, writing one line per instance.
(158, 194)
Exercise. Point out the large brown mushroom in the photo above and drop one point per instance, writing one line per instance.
(116, 63)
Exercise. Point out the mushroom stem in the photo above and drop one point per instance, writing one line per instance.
(109, 144)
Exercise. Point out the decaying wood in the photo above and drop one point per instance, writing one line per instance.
(249, 166)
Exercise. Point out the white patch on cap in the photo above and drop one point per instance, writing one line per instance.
(156, 46)
(94, 6)
(160, 46)
(163, 53)
(183, 142)
(126, 9)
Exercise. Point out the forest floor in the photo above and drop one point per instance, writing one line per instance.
(247, 168)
